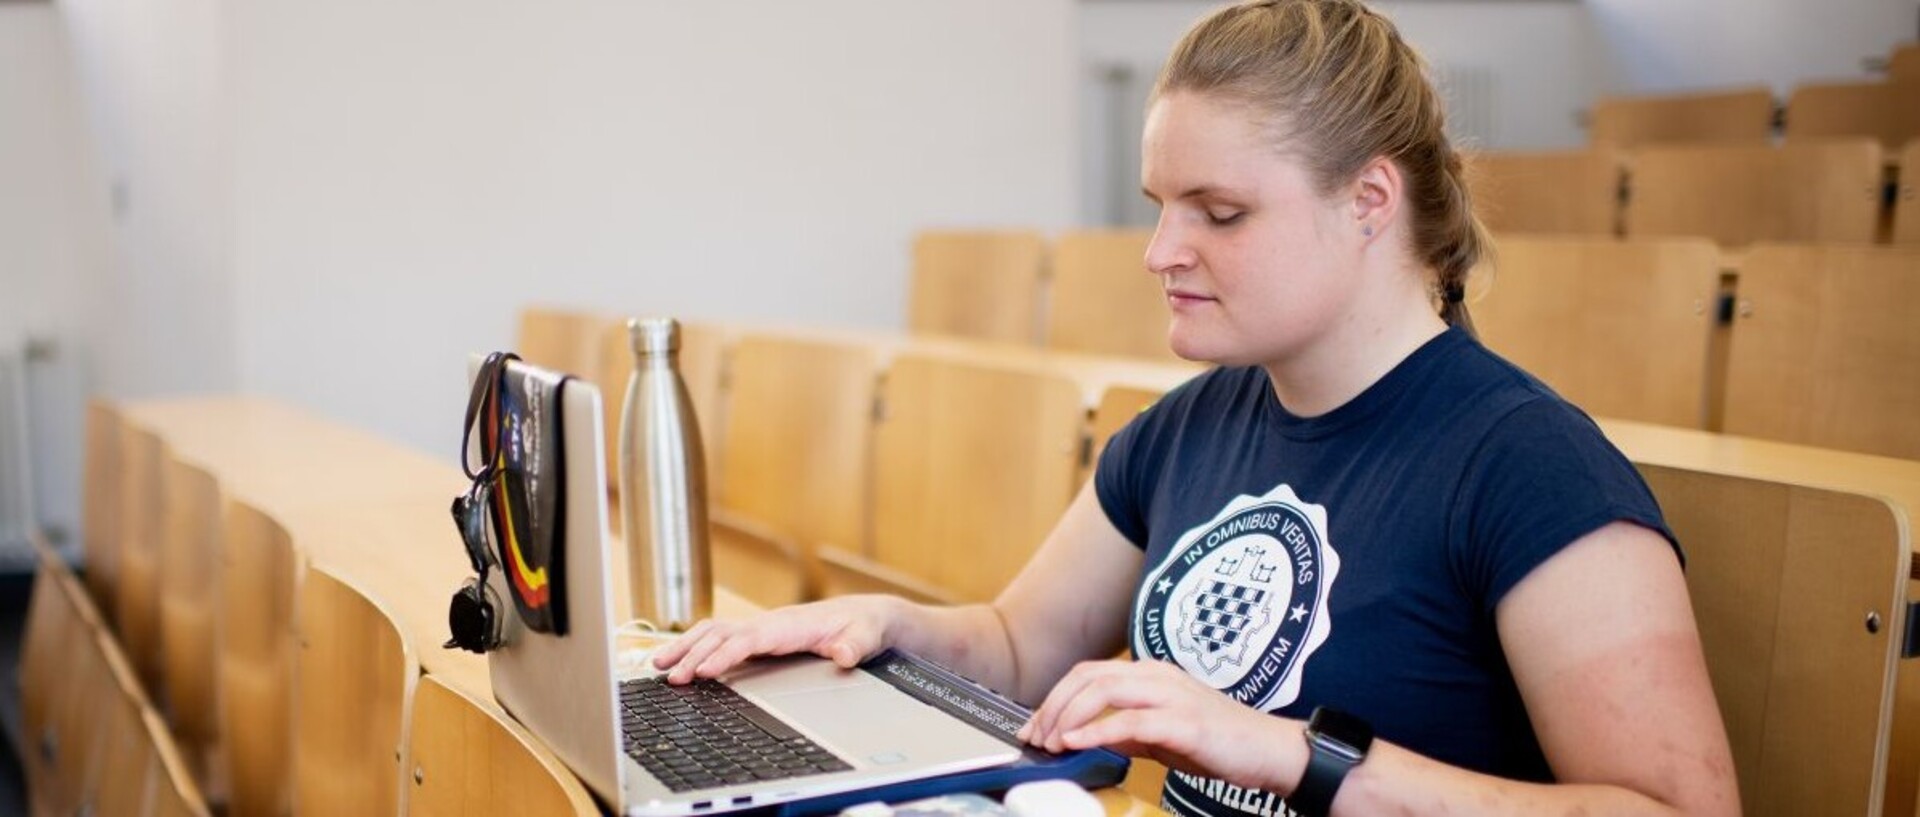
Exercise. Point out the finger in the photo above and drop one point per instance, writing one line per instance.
(697, 654)
(740, 646)
(841, 652)
(1136, 729)
(848, 645)
(1113, 685)
(670, 654)
(1040, 726)
(1130, 689)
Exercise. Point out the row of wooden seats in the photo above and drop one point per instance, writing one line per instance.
(1808, 344)
(1633, 329)
(287, 688)
(1828, 190)
(1885, 110)
(1823, 714)
(843, 459)
(91, 741)
(1089, 292)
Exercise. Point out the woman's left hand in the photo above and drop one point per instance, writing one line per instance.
(1157, 710)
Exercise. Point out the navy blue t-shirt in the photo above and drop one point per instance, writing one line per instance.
(1355, 559)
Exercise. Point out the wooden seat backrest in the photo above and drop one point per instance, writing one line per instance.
(100, 505)
(1734, 116)
(1620, 328)
(473, 760)
(1826, 191)
(977, 284)
(1103, 301)
(174, 792)
(1904, 63)
(1906, 205)
(561, 339)
(56, 658)
(1574, 192)
(1824, 348)
(1119, 404)
(354, 678)
(797, 448)
(142, 527)
(259, 580)
(1887, 111)
(974, 463)
(1783, 579)
(190, 566)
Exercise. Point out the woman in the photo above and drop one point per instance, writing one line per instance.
(1362, 523)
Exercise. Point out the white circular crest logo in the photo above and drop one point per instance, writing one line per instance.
(1241, 601)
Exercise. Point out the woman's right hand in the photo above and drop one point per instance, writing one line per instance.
(845, 630)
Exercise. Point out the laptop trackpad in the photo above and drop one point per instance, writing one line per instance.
(874, 725)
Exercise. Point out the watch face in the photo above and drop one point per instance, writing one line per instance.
(1351, 733)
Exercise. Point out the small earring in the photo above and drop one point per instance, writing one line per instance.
(1366, 230)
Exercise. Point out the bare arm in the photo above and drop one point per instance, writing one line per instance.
(1067, 605)
(1603, 647)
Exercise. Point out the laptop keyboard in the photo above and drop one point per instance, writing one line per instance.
(703, 735)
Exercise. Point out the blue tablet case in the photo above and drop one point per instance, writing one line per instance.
(986, 710)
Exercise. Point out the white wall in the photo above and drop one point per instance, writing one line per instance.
(409, 174)
(51, 230)
(1660, 45)
(1539, 55)
(152, 79)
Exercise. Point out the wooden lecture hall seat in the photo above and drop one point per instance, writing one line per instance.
(259, 581)
(136, 603)
(984, 285)
(1887, 111)
(797, 454)
(469, 758)
(1906, 207)
(100, 510)
(1103, 300)
(974, 461)
(1826, 191)
(190, 567)
(1825, 349)
(1903, 65)
(1575, 192)
(355, 675)
(1732, 117)
(1620, 328)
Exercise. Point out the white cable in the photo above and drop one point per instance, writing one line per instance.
(631, 661)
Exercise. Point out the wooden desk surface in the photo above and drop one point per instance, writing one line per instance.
(1896, 480)
(374, 513)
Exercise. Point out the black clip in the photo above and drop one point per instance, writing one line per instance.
(1910, 639)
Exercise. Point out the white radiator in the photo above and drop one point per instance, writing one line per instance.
(17, 520)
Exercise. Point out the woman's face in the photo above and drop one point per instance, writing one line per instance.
(1256, 265)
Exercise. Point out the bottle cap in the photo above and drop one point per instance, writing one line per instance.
(652, 336)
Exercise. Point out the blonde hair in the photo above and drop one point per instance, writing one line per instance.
(1341, 88)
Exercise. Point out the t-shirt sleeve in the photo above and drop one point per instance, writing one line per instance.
(1543, 477)
(1117, 481)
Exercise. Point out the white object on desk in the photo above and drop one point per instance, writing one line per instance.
(1051, 798)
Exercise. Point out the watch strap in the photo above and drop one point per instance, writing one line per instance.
(1325, 772)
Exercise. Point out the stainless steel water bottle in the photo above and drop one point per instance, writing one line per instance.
(663, 484)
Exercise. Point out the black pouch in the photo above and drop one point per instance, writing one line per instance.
(526, 502)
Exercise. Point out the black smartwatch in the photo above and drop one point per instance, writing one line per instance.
(1337, 742)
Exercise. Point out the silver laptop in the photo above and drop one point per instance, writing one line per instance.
(793, 728)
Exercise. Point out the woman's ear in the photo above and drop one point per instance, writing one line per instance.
(1376, 196)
